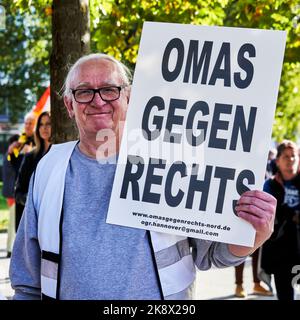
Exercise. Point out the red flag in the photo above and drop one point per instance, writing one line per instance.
(43, 104)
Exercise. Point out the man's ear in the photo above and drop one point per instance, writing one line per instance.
(69, 105)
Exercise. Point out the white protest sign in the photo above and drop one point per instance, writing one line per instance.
(198, 129)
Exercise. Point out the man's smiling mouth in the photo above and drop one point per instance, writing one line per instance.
(98, 113)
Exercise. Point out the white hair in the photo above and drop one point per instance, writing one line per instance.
(124, 71)
(29, 115)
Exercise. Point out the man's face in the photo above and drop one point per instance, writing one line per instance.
(29, 126)
(98, 114)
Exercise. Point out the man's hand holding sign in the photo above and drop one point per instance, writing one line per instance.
(198, 132)
(258, 208)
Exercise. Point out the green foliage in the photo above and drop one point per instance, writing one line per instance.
(287, 120)
(24, 59)
(4, 220)
(3, 204)
(269, 14)
(117, 25)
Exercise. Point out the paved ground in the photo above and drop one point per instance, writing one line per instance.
(5, 288)
(216, 284)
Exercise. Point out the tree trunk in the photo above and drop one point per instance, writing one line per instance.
(70, 41)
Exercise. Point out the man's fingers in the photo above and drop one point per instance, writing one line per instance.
(246, 200)
(257, 202)
(260, 195)
(258, 223)
(257, 207)
(263, 210)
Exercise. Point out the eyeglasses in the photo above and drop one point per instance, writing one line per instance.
(111, 93)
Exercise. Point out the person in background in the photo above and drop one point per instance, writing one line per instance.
(25, 143)
(42, 138)
(18, 149)
(282, 251)
(64, 248)
(8, 191)
(258, 289)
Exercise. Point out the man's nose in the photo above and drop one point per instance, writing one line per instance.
(97, 99)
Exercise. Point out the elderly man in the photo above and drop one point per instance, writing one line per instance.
(65, 249)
